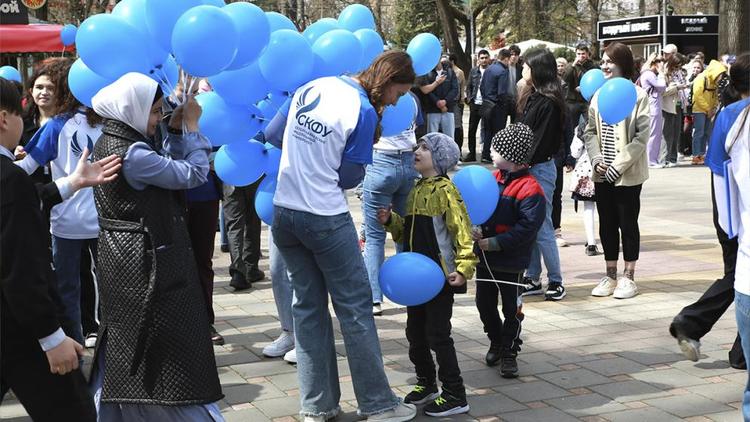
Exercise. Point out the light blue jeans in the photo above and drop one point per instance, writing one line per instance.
(546, 247)
(281, 285)
(742, 313)
(441, 122)
(322, 256)
(388, 180)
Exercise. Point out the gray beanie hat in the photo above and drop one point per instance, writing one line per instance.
(445, 152)
(514, 143)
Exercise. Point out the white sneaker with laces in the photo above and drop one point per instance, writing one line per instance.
(401, 413)
(625, 289)
(280, 346)
(291, 356)
(605, 287)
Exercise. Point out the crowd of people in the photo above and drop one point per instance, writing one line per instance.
(126, 265)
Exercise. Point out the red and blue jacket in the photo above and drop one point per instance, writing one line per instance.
(513, 226)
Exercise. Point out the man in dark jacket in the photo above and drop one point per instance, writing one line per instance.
(440, 87)
(577, 105)
(494, 88)
(474, 100)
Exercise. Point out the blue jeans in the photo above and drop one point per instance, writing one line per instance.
(281, 285)
(66, 255)
(441, 122)
(701, 133)
(323, 259)
(546, 247)
(388, 180)
(742, 313)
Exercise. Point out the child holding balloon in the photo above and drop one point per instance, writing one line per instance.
(436, 225)
(504, 243)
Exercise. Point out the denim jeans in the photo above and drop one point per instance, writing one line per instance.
(441, 122)
(742, 313)
(388, 180)
(701, 133)
(323, 259)
(546, 247)
(66, 255)
(281, 285)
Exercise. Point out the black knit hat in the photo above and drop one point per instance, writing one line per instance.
(514, 143)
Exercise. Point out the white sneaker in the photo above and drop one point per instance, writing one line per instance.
(90, 341)
(561, 242)
(291, 356)
(690, 348)
(377, 309)
(403, 412)
(605, 287)
(315, 419)
(280, 346)
(625, 289)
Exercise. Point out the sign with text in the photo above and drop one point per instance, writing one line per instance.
(13, 12)
(693, 25)
(645, 26)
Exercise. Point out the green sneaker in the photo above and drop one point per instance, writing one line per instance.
(422, 394)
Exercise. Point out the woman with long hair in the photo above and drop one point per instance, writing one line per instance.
(674, 102)
(541, 106)
(618, 155)
(332, 125)
(652, 79)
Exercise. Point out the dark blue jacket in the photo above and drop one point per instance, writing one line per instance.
(513, 226)
(495, 82)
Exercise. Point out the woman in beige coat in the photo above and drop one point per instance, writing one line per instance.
(618, 155)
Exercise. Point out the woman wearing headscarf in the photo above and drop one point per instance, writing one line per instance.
(154, 359)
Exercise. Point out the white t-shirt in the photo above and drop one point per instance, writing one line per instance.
(740, 155)
(330, 119)
(60, 142)
(478, 98)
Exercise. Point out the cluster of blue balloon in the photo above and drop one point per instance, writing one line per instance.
(10, 73)
(617, 97)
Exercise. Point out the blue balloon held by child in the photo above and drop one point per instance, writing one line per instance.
(411, 279)
(479, 191)
(616, 100)
(591, 81)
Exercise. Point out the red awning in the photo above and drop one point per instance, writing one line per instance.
(31, 39)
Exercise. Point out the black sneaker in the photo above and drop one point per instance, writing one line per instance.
(592, 250)
(422, 394)
(216, 338)
(493, 355)
(239, 282)
(255, 275)
(224, 248)
(554, 292)
(509, 366)
(533, 287)
(446, 405)
(468, 158)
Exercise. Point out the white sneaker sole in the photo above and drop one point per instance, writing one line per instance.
(627, 295)
(454, 411)
(276, 354)
(555, 298)
(533, 293)
(427, 399)
(690, 351)
(601, 294)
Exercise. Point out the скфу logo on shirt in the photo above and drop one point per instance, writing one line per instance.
(306, 121)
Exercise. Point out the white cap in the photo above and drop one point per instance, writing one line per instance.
(670, 49)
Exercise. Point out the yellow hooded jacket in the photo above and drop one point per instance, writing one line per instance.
(705, 88)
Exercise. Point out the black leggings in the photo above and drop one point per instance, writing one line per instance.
(618, 208)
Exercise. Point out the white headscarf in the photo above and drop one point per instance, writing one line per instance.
(128, 99)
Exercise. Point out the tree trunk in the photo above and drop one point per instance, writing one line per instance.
(594, 6)
(377, 9)
(641, 7)
(734, 30)
(450, 35)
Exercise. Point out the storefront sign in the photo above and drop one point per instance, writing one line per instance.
(13, 12)
(647, 26)
(693, 25)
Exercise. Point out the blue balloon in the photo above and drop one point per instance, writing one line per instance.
(616, 100)
(10, 73)
(275, 65)
(84, 83)
(356, 16)
(314, 31)
(479, 190)
(411, 279)
(68, 34)
(134, 13)
(278, 21)
(112, 47)
(424, 50)
(253, 30)
(337, 52)
(240, 163)
(591, 81)
(161, 16)
(264, 199)
(397, 118)
(273, 160)
(267, 109)
(372, 46)
(243, 87)
(167, 74)
(277, 99)
(204, 41)
(223, 123)
(217, 3)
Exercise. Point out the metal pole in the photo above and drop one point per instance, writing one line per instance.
(664, 24)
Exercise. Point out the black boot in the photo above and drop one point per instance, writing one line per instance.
(493, 355)
(509, 366)
(239, 282)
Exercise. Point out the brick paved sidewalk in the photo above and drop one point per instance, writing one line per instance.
(584, 358)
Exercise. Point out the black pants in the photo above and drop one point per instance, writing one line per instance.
(698, 318)
(618, 208)
(672, 128)
(474, 120)
(495, 123)
(575, 112)
(557, 197)
(458, 119)
(201, 224)
(506, 333)
(45, 396)
(242, 227)
(89, 289)
(428, 327)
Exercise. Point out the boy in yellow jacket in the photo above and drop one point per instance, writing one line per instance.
(705, 101)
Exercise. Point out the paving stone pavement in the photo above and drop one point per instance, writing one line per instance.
(583, 359)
